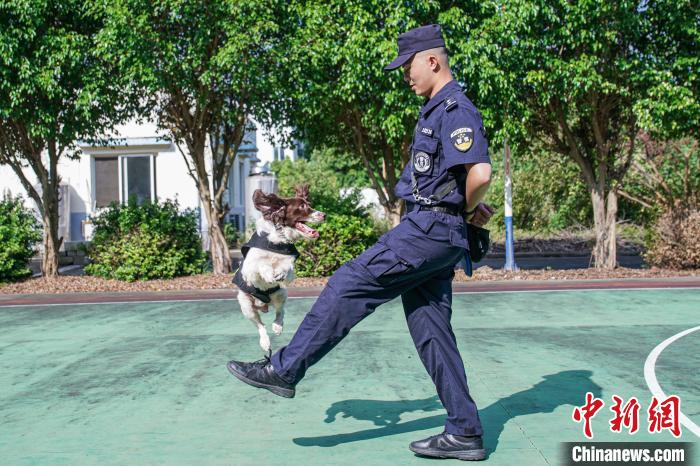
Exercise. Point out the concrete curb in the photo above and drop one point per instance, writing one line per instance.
(312, 292)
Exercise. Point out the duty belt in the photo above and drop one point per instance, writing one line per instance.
(445, 209)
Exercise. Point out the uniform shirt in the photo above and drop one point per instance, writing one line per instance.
(449, 133)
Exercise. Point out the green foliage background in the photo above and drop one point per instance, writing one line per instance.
(604, 71)
(348, 229)
(19, 233)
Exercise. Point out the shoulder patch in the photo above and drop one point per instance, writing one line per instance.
(462, 138)
(450, 103)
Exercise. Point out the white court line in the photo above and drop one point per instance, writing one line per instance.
(312, 297)
(650, 375)
(157, 301)
(646, 288)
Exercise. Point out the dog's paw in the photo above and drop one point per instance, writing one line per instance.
(280, 276)
(277, 328)
(265, 343)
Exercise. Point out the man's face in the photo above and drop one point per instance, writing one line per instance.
(418, 74)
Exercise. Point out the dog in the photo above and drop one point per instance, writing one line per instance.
(269, 256)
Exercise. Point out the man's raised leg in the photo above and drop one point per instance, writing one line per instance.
(352, 293)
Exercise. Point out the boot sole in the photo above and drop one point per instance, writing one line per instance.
(469, 455)
(279, 391)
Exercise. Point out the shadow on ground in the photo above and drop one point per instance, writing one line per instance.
(562, 388)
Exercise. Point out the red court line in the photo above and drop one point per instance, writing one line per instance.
(310, 292)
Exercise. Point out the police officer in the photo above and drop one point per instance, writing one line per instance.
(443, 184)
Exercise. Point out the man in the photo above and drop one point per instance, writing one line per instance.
(414, 260)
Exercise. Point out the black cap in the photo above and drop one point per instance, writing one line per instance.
(414, 41)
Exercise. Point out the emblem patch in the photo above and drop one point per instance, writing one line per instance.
(427, 131)
(422, 162)
(462, 138)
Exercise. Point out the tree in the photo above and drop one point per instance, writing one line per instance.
(583, 78)
(666, 175)
(337, 93)
(205, 67)
(55, 89)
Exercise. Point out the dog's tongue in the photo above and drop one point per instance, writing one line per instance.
(302, 227)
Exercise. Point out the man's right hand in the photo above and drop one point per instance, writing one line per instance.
(481, 215)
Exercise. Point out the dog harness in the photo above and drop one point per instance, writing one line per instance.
(261, 242)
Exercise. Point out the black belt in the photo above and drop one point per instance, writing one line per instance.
(446, 210)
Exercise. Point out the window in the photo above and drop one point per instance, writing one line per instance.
(106, 181)
(300, 150)
(241, 183)
(119, 178)
(137, 182)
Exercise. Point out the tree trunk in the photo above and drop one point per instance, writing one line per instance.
(220, 256)
(49, 196)
(52, 243)
(393, 212)
(49, 264)
(604, 217)
(218, 247)
(212, 206)
(17, 149)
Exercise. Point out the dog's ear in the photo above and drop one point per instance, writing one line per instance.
(302, 191)
(271, 205)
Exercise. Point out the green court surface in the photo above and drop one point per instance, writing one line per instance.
(146, 383)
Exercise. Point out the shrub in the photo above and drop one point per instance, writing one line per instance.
(141, 242)
(19, 233)
(673, 242)
(348, 229)
(341, 238)
(548, 193)
(232, 235)
(663, 174)
(325, 185)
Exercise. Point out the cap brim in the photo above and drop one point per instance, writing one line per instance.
(398, 61)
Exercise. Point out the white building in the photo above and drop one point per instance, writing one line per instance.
(142, 161)
(270, 149)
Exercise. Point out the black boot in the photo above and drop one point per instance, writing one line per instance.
(261, 374)
(450, 446)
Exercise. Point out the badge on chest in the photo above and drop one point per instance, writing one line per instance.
(424, 150)
(422, 162)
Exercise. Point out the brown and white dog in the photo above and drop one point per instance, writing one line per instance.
(269, 256)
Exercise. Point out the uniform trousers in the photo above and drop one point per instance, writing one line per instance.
(414, 260)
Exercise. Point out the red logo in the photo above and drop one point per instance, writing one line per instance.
(627, 416)
(665, 415)
(587, 412)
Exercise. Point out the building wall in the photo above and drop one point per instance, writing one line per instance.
(270, 147)
(170, 177)
(10, 184)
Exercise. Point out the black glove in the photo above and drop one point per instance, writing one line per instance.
(479, 242)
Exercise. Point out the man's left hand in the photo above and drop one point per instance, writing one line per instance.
(482, 215)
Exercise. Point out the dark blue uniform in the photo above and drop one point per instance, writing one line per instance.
(414, 260)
